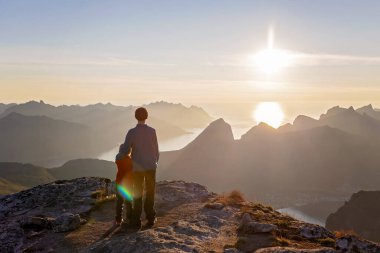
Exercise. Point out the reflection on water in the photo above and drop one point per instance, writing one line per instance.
(301, 216)
(174, 143)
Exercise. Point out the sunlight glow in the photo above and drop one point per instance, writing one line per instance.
(270, 113)
(271, 60)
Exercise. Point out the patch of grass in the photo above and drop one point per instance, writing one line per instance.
(264, 208)
(328, 242)
(282, 241)
(101, 201)
(234, 198)
(283, 223)
(341, 233)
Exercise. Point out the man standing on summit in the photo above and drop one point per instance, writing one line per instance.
(142, 141)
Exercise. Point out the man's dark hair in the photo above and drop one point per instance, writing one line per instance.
(141, 114)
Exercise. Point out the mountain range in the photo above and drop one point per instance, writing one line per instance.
(309, 160)
(48, 135)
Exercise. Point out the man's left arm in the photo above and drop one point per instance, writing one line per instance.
(127, 145)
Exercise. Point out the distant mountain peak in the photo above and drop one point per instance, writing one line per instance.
(333, 111)
(366, 108)
(262, 129)
(265, 126)
(217, 122)
(216, 132)
(302, 121)
(302, 118)
(163, 103)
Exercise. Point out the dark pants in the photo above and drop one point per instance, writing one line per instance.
(139, 177)
(119, 207)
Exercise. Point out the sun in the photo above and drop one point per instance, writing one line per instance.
(272, 60)
(270, 113)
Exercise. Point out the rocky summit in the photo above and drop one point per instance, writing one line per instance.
(77, 216)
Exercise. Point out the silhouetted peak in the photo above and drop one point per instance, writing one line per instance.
(219, 126)
(163, 103)
(218, 122)
(285, 128)
(338, 110)
(302, 120)
(31, 102)
(332, 111)
(263, 125)
(262, 129)
(216, 131)
(367, 108)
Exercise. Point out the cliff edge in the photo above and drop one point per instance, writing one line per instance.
(77, 216)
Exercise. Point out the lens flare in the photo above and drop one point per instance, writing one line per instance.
(124, 192)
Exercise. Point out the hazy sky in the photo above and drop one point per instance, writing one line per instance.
(195, 52)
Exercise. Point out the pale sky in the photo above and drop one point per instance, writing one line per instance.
(195, 52)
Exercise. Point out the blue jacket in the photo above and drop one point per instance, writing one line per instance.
(142, 140)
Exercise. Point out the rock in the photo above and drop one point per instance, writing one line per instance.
(257, 227)
(232, 250)
(215, 205)
(36, 222)
(180, 191)
(294, 250)
(252, 242)
(185, 223)
(191, 234)
(247, 226)
(351, 243)
(311, 231)
(66, 222)
(11, 238)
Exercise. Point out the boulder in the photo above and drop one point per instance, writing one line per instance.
(247, 226)
(66, 222)
(311, 231)
(35, 222)
(215, 205)
(351, 243)
(11, 238)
